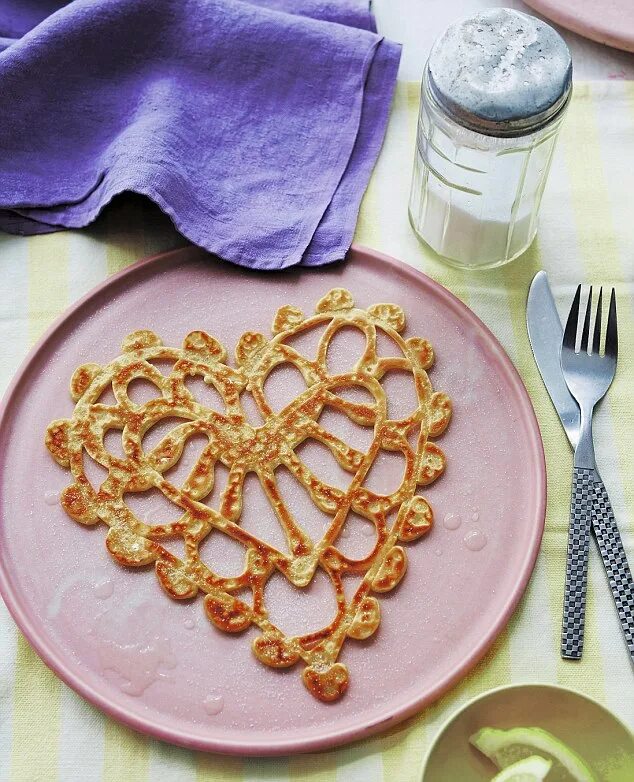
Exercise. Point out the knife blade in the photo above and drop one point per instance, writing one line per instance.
(545, 335)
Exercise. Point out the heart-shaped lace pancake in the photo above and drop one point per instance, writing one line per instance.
(242, 447)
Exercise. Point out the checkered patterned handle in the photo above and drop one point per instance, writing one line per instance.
(614, 560)
(577, 563)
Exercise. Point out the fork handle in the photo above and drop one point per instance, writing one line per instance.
(614, 560)
(574, 613)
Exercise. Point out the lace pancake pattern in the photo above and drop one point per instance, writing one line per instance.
(399, 517)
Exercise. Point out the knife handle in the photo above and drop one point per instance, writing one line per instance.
(574, 614)
(615, 561)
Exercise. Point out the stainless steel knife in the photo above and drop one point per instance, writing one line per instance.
(545, 334)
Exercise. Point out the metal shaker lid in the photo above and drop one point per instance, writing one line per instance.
(500, 72)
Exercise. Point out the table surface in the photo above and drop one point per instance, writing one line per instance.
(417, 24)
(47, 732)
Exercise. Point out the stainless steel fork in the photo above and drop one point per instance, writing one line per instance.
(588, 375)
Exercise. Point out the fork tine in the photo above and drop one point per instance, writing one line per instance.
(611, 337)
(570, 332)
(586, 323)
(596, 340)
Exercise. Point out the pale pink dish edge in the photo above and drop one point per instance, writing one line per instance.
(354, 732)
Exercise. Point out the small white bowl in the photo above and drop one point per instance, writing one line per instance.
(602, 740)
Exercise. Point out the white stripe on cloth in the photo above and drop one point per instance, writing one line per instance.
(8, 637)
(87, 265)
(356, 765)
(14, 341)
(80, 740)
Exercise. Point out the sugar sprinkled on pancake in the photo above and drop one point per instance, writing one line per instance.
(399, 517)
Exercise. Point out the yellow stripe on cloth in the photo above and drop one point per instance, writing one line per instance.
(266, 769)
(36, 693)
(603, 265)
(401, 746)
(218, 768)
(320, 767)
(36, 718)
(47, 281)
(367, 231)
(126, 753)
(123, 229)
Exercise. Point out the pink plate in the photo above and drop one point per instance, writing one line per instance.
(610, 22)
(159, 665)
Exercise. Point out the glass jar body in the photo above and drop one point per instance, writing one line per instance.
(475, 198)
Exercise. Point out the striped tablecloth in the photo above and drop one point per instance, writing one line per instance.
(47, 732)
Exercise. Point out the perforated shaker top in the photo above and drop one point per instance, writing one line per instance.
(500, 72)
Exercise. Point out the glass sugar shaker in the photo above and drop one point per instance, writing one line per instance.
(494, 93)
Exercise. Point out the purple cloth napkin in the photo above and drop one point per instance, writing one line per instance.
(253, 125)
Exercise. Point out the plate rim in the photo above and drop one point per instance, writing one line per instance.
(361, 728)
(588, 27)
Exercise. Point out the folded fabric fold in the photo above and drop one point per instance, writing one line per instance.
(255, 129)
